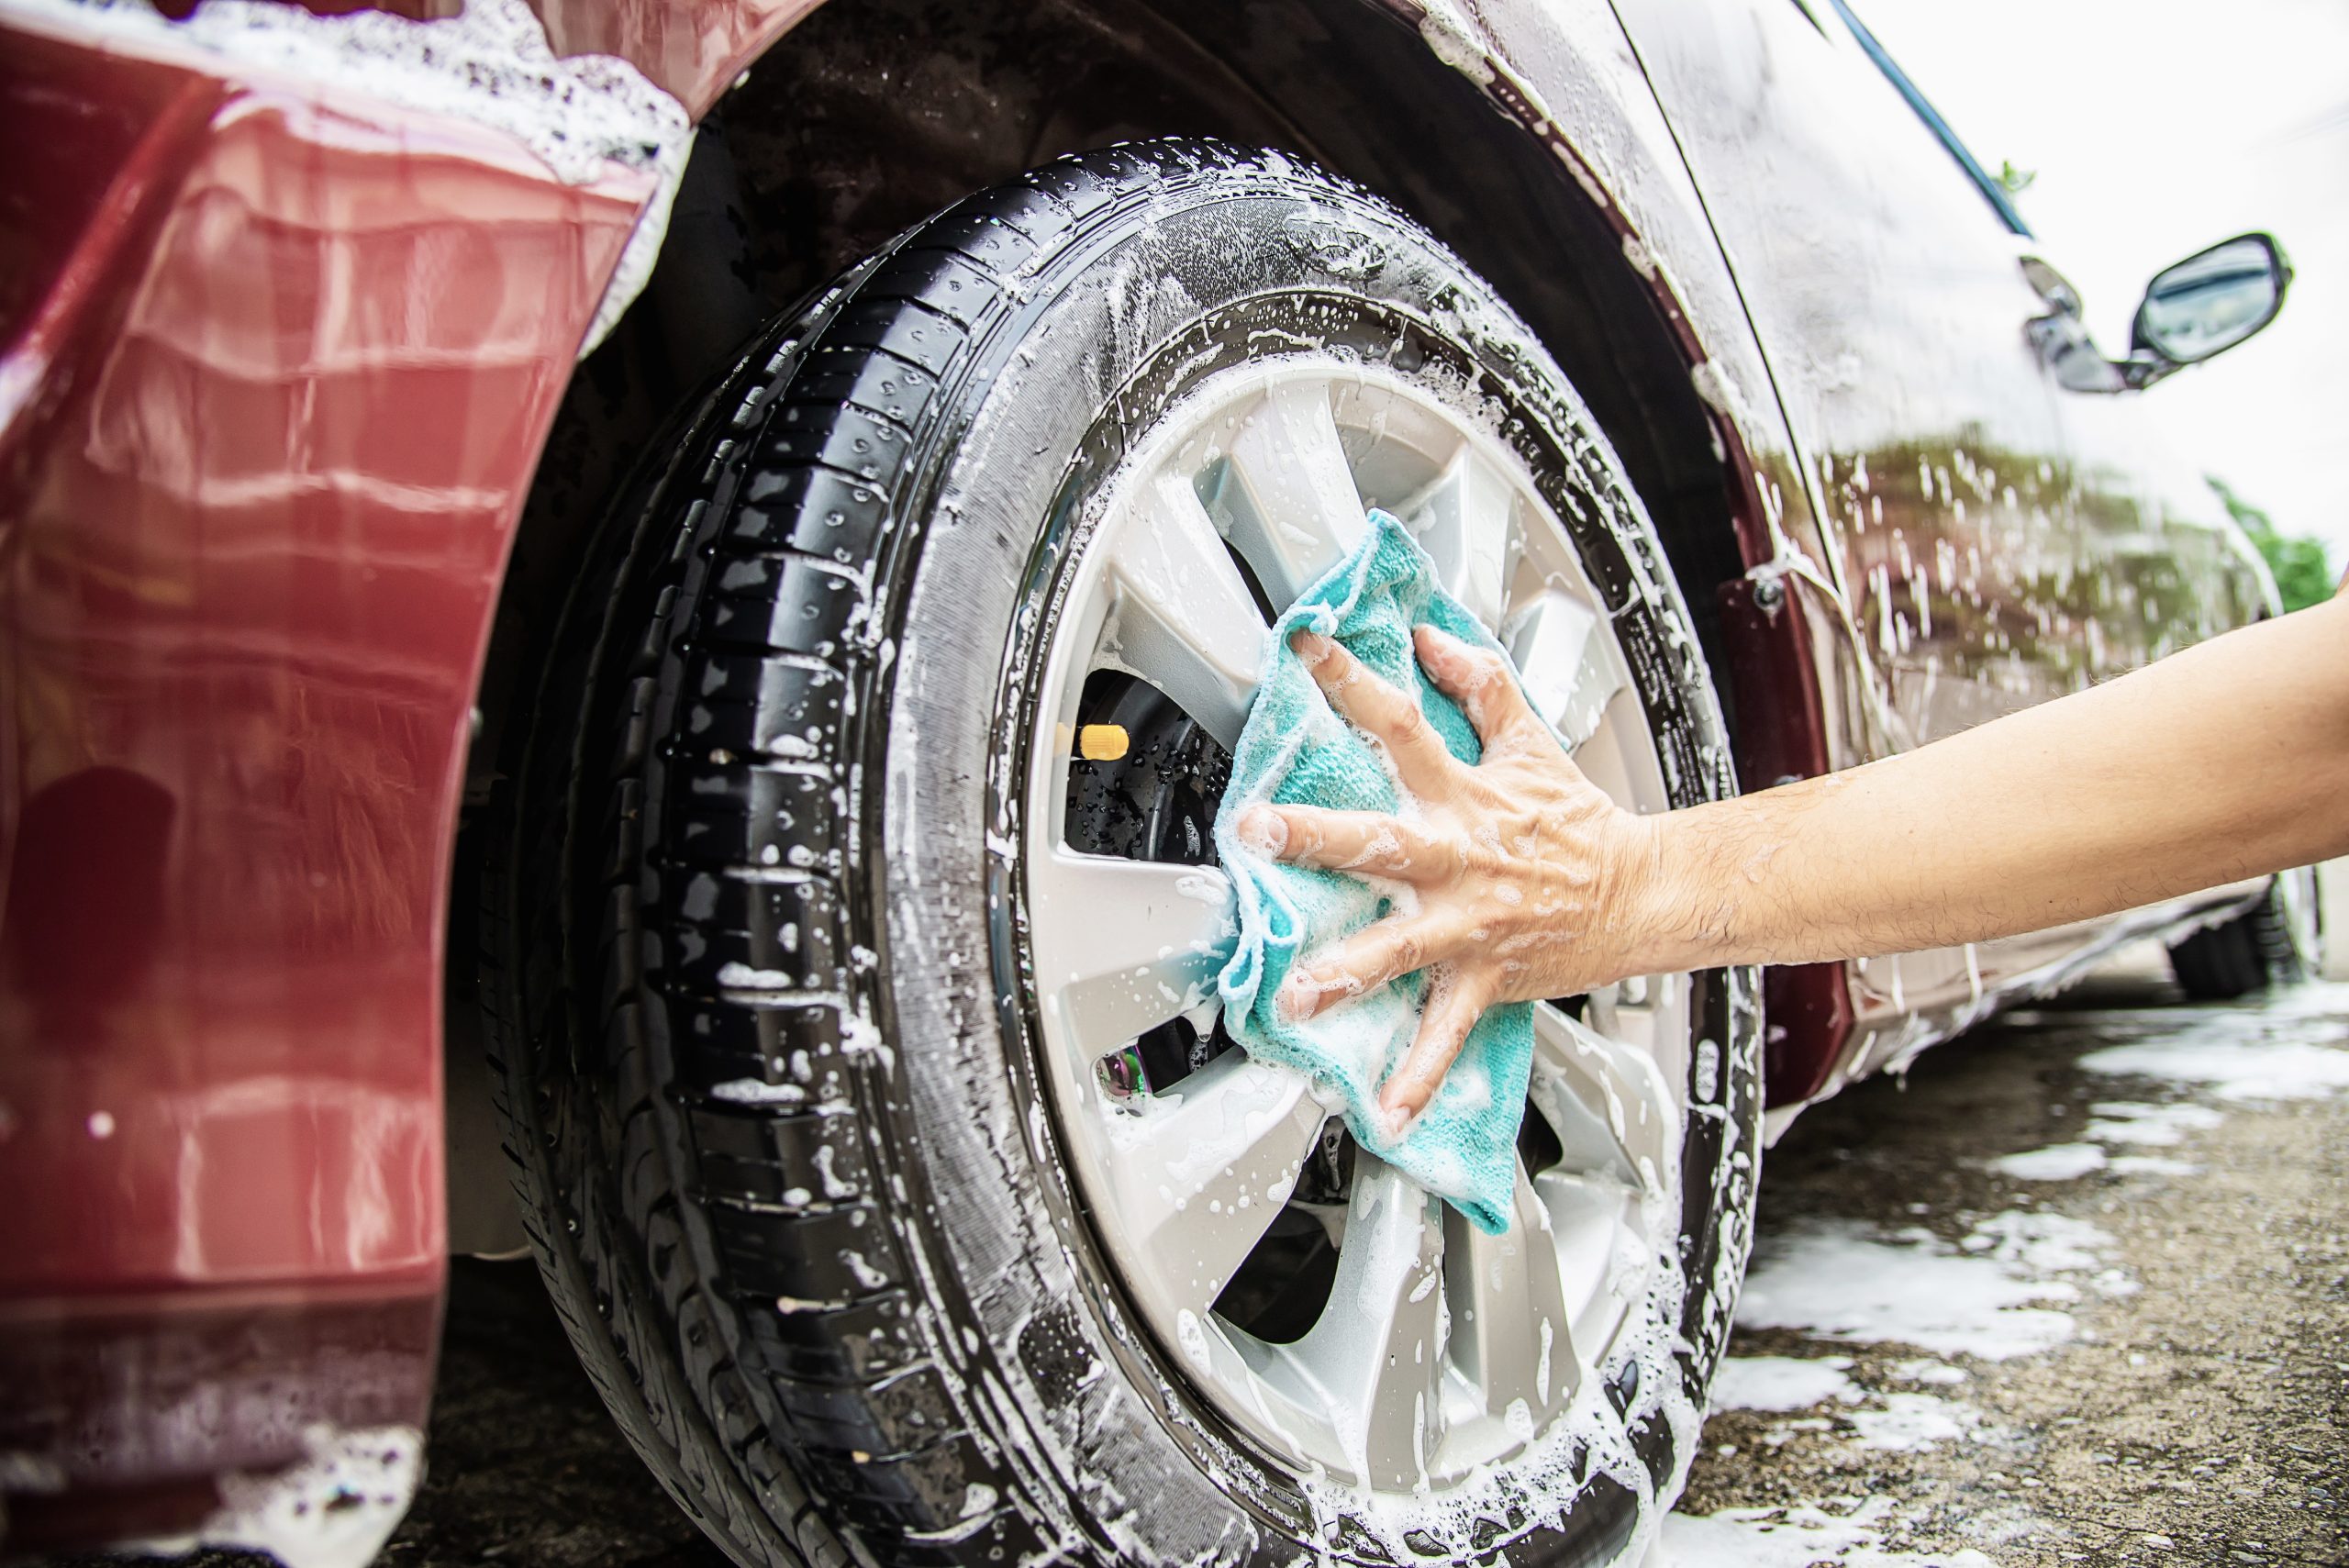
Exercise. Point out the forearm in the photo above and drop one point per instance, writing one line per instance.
(2227, 760)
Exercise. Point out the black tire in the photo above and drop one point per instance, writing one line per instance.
(2271, 943)
(752, 956)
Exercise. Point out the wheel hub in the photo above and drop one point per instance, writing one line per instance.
(1318, 1300)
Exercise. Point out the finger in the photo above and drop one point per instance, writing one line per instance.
(1454, 1003)
(1387, 715)
(1348, 841)
(1477, 679)
(1398, 945)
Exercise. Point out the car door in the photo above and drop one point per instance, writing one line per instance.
(2156, 565)
(2163, 567)
(1885, 272)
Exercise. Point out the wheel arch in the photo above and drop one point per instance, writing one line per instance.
(781, 189)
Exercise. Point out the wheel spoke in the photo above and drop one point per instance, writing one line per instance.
(1377, 1354)
(1572, 667)
(1464, 522)
(1122, 946)
(1510, 1331)
(1591, 1220)
(1185, 619)
(1649, 1012)
(1618, 1126)
(1301, 512)
(1614, 1114)
(1201, 1172)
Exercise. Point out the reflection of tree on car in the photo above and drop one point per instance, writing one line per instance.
(1972, 568)
(2303, 575)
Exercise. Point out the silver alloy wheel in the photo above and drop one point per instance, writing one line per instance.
(1440, 1350)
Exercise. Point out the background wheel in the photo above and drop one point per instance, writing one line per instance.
(2276, 942)
(854, 926)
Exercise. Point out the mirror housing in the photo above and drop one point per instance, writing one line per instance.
(2206, 305)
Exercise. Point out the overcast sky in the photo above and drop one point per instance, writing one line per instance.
(2157, 128)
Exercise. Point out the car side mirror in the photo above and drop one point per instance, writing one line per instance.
(2207, 304)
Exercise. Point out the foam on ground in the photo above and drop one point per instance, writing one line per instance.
(1783, 1383)
(1841, 1280)
(1798, 1537)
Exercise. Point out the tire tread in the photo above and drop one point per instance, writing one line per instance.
(2250, 953)
(787, 1398)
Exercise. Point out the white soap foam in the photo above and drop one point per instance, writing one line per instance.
(1840, 1280)
(334, 1508)
(1892, 1423)
(1782, 1382)
(2056, 1163)
(2155, 1125)
(1798, 1537)
(2255, 1071)
(2040, 1243)
(583, 115)
(1912, 1422)
(758, 1092)
(2294, 1046)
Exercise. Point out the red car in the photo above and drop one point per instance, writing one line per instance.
(703, 557)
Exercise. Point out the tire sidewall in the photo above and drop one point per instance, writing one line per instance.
(1075, 1393)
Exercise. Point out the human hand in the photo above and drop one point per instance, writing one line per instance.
(1518, 861)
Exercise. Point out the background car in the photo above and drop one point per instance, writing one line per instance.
(706, 556)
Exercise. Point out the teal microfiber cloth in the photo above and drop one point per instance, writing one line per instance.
(1296, 751)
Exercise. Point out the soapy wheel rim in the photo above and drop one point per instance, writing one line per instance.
(1439, 1350)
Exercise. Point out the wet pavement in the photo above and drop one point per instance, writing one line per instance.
(2077, 1291)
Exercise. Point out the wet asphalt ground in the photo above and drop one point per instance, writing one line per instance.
(2194, 1410)
(2198, 1409)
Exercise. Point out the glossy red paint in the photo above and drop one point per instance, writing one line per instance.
(270, 420)
(122, 133)
(1781, 735)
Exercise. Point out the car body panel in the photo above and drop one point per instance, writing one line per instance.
(1998, 539)
(689, 48)
(268, 431)
(278, 365)
(1856, 238)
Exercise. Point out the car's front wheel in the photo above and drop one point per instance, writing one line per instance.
(858, 927)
